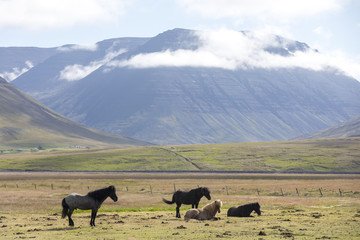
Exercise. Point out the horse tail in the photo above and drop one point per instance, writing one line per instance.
(65, 208)
(168, 202)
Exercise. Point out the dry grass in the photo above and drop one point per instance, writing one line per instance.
(26, 212)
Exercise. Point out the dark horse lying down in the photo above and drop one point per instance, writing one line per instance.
(92, 200)
(192, 197)
(244, 210)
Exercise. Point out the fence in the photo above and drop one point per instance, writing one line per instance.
(226, 190)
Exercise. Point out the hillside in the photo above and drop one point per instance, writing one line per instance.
(324, 155)
(349, 128)
(26, 123)
(175, 89)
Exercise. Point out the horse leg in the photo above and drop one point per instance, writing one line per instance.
(178, 210)
(93, 216)
(71, 222)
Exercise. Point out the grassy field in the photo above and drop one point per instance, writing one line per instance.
(325, 155)
(30, 206)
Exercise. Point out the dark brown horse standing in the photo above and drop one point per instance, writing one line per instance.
(92, 200)
(192, 197)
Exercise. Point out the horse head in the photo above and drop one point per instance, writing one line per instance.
(112, 193)
(218, 205)
(257, 208)
(206, 192)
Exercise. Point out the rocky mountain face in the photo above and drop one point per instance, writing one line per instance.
(182, 87)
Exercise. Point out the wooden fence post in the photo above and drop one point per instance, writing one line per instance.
(258, 192)
(227, 192)
(297, 192)
(340, 192)
(320, 192)
(150, 189)
(52, 187)
(282, 193)
(174, 188)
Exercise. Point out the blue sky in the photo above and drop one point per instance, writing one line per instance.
(331, 26)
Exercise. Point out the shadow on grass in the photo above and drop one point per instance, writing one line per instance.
(62, 229)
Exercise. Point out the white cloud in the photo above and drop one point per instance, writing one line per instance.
(322, 32)
(40, 14)
(260, 9)
(234, 50)
(77, 71)
(16, 72)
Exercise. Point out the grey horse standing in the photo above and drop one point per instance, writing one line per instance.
(92, 200)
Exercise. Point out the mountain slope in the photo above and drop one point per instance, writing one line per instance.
(171, 106)
(350, 128)
(145, 94)
(16, 60)
(26, 123)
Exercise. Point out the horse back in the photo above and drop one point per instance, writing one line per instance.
(190, 197)
(241, 211)
(82, 202)
(231, 211)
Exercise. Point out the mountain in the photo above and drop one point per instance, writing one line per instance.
(26, 123)
(187, 87)
(17, 60)
(53, 75)
(350, 128)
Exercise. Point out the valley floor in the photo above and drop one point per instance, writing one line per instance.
(293, 206)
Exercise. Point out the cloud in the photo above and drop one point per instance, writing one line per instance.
(16, 72)
(77, 71)
(322, 32)
(40, 14)
(259, 9)
(233, 50)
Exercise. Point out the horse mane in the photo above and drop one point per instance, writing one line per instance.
(102, 193)
(213, 207)
(250, 204)
(204, 190)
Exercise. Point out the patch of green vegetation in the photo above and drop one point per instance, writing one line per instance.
(311, 155)
(143, 158)
(326, 155)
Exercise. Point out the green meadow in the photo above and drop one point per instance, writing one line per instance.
(325, 155)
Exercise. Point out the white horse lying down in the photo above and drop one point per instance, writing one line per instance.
(92, 200)
(206, 213)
